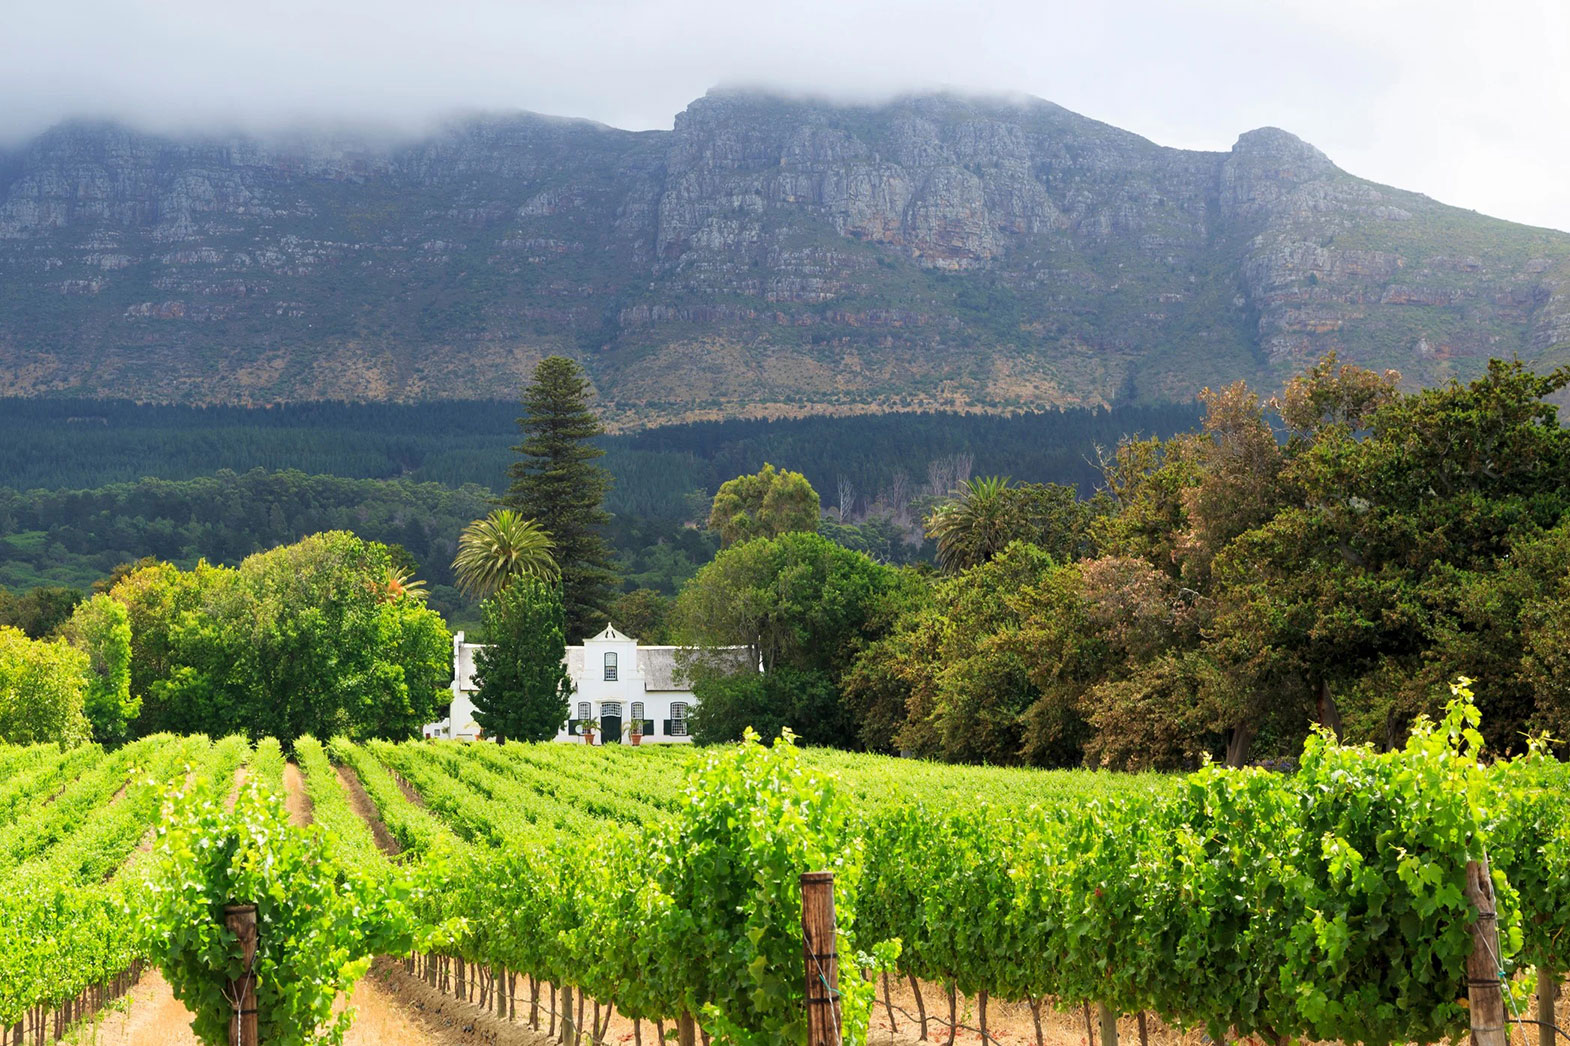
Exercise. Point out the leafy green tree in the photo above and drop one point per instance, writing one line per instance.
(42, 688)
(766, 504)
(643, 614)
(878, 536)
(524, 688)
(799, 601)
(305, 638)
(1387, 573)
(986, 515)
(557, 482)
(804, 702)
(968, 687)
(1541, 569)
(157, 598)
(503, 545)
(101, 629)
(38, 611)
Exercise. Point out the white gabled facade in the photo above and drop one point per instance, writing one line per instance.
(615, 680)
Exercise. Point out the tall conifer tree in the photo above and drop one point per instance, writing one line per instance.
(557, 482)
(523, 678)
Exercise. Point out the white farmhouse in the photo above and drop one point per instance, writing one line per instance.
(615, 679)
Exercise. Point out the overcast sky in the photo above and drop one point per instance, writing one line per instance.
(1465, 100)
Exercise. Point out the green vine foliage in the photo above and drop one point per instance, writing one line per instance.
(1327, 904)
(311, 918)
(755, 820)
(699, 913)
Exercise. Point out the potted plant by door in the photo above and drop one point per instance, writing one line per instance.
(634, 731)
(586, 728)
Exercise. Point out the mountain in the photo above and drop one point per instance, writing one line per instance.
(767, 256)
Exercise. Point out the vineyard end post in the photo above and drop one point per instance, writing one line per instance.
(819, 944)
(241, 921)
(1484, 990)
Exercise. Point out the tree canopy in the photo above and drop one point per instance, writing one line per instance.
(557, 482)
(801, 603)
(304, 638)
(503, 545)
(43, 684)
(101, 629)
(523, 683)
(1240, 584)
(766, 504)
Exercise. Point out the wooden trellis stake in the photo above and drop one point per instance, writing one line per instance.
(822, 959)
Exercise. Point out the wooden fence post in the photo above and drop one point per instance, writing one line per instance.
(241, 921)
(1482, 965)
(822, 958)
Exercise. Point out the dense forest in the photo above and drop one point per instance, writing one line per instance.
(74, 537)
(87, 485)
(79, 444)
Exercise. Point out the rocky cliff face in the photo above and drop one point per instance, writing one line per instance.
(764, 256)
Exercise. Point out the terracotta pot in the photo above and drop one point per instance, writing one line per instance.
(636, 739)
(588, 736)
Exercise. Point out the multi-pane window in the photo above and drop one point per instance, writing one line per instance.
(583, 709)
(678, 719)
(637, 710)
(610, 667)
(610, 708)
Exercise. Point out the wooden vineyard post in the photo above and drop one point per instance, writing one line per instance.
(241, 921)
(686, 1030)
(1547, 989)
(1109, 1026)
(569, 1024)
(1484, 992)
(822, 959)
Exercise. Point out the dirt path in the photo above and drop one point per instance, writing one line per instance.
(361, 804)
(295, 800)
(148, 1014)
(242, 773)
(1008, 1023)
(392, 1009)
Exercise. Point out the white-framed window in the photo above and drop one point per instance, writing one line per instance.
(678, 719)
(610, 666)
(583, 709)
(637, 710)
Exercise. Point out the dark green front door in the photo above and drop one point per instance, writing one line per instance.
(610, 728)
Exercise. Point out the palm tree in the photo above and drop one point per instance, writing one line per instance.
(977, 523)
(494, 549)
(402, 582)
